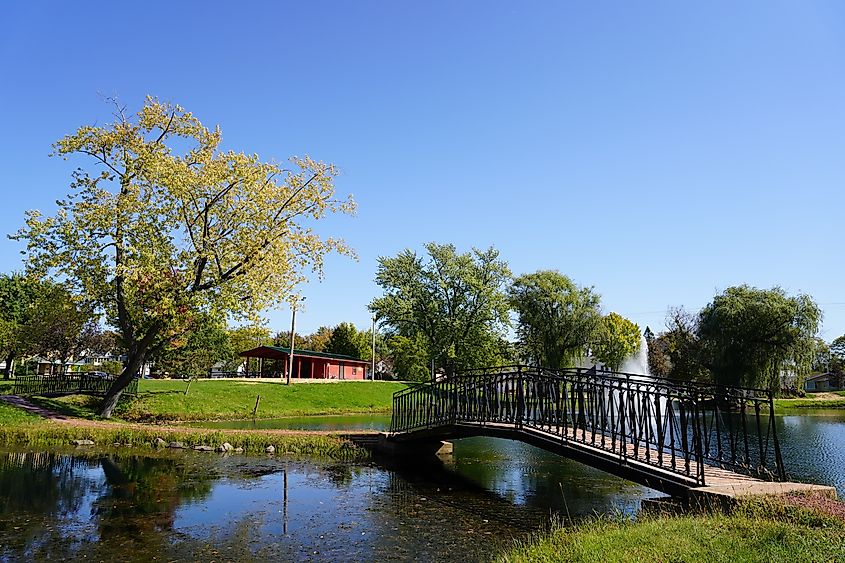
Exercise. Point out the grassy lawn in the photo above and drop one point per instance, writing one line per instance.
(829, 400)
(759, 531)
(11, 416)
(165, 400)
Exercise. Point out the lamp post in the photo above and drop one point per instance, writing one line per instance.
(293, 305)
(373, 370)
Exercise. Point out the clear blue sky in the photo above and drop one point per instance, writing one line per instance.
(659, 151)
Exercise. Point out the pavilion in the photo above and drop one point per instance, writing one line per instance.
(273, 361)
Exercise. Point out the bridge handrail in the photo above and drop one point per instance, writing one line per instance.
(687, 423)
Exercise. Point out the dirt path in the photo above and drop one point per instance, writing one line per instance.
(59, 418)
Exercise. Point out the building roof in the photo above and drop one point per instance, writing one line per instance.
(818, 376)
(278, 353)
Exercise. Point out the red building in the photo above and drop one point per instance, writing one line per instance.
(273, 361)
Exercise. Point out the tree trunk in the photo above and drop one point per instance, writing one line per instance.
(7, 373)
(133, 364)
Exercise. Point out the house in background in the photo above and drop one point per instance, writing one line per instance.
(827, 381)
(273, 361)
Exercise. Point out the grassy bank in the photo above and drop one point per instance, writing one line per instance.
(830, 400)
(764, 530)
(20, 428)
(38, 433)
(165, 400)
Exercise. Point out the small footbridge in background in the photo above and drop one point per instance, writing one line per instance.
(673, 436)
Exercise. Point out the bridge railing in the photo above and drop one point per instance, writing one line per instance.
(676, 426)
(81, 383)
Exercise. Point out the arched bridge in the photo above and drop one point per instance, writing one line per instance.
(670, 435)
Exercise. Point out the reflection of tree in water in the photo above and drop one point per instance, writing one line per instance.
(44, 501)
(536, 478)
(144, 492)
(36, 489)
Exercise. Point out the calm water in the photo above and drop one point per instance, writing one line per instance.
(813, 447)
(114, 505)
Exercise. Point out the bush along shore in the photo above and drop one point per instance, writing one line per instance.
(768, 529)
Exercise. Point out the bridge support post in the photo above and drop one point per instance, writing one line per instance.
(413, 449)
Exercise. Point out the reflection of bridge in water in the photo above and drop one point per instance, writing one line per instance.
(673, 436)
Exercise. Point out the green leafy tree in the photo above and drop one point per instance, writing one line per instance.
(317, 340)
(19, 308)
(410, 357)
(65, 327)
(455, 302)
(197, 351)
(349, 341)
(753, 337)
(617, 339)
(282, 339)
(837, 354)
(163, 224)
(557, 319)
(245, 338)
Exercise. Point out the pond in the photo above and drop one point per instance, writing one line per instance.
(117, 505)
(812, 445)
(120, 504)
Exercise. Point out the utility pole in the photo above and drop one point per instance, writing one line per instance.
(292, 335)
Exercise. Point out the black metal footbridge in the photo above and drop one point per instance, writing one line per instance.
(670, 435)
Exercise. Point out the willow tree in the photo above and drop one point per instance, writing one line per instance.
(162, 225)
(557, 319)
(755, 337)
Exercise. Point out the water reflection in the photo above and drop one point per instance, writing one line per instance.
(185, 506)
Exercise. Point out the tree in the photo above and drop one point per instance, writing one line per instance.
(455, 301)
(318, 340)
(282, 339)
(753, 337)
(410, 357)
(837, 354)
(245, 338)
(65, 327)
(349, 341)
(557, 319)
(617, 339)
(659, 364)
(18, 309)
(165, 223)
(196, 352)
(682, 347)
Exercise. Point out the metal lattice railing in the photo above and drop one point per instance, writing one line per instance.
(672, 425)
(81, 383)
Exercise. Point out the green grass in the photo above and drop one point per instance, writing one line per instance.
(754, 531)
(80, 406)
(10, 415)
(809, 402)
(165, 400)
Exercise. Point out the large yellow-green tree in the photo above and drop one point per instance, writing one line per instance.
(617, 339)
(162, 225)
